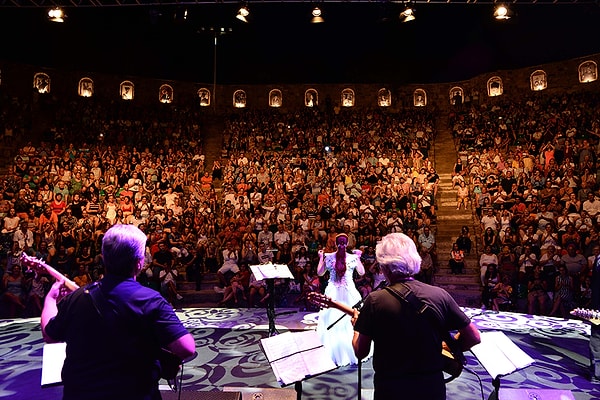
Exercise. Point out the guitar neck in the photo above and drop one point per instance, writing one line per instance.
(342, 307)
(69, 284)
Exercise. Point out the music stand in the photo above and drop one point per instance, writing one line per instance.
(499, 356)
(269, 272)
(296, 356)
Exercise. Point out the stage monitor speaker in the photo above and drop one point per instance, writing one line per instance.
(255, 393)
(199, 395)
(535, 394)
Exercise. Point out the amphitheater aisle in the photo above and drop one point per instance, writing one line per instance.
(213, 128)
(465, 288)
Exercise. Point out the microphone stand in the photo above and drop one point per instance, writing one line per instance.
(358, 305)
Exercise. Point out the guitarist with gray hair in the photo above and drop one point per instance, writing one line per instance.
(116, 330)
(409, 323)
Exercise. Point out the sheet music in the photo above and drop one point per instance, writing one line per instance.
(271, 271)
(296, 356)
(499, 355)
(53, 358)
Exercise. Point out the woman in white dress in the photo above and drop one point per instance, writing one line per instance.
(340, 288)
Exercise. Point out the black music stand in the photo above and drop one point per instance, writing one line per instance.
(269, 272)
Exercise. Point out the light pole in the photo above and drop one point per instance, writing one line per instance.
(216, 32)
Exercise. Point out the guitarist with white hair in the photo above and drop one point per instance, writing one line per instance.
(408, 323)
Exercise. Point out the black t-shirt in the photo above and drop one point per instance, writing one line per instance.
(114, 356)
(407, 347)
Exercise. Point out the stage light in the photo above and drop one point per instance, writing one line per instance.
(56, 14)
(317, 16)
(243, 13)
(408, 14)
(502, 12)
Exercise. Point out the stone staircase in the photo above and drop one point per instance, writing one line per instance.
(206, 297)
(465, 288)
(214, 126)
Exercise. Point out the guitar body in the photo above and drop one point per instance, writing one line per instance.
(454, 359)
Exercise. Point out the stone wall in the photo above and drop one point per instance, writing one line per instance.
(17, 80)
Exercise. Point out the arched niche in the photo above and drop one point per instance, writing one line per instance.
(127, 90)
(275, 98)
(384, 97)
(347, 97)
(538, 80)
(204, 97)
(419, 98)
(239, 99)
(41, 82)
(165, 94)
(311, 98)
(495, 86)
(457, 96)
(85, 87)
(588, 71)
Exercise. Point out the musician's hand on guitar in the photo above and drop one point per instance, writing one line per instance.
(445, 347)
(58, 291)
(354, 316)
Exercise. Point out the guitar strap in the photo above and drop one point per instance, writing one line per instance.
(405, 294)
(111, 314)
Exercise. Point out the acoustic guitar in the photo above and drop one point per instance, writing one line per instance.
(454, 359)
(588, 315)
(169, 362)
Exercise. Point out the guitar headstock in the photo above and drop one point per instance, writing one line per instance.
(32, 263)
(592, 316)
(319, 299)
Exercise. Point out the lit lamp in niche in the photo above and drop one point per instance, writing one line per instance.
(538, 81)
(588, 72)
(204, 97)
(86, 87)
(126, 90)
(41, 82)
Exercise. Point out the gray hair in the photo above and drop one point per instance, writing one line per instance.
(123, 247)
(397, 253)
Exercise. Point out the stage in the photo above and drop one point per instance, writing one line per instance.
(229, 355)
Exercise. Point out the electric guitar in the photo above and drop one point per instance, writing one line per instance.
(454, 359)
(169, 362)
(588, 315)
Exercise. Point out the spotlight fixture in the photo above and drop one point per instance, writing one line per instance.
(56, 14)
(317, 17)
(502, 12)
(243, 13)
(408, 14)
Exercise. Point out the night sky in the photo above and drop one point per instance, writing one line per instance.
(447, 42)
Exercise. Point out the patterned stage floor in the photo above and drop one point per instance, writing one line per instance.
(229, 355)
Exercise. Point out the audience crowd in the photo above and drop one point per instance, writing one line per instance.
(531, 168)
(284, 185)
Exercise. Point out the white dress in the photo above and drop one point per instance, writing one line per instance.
(338, 339)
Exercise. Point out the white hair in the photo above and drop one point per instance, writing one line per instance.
(398, 254)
